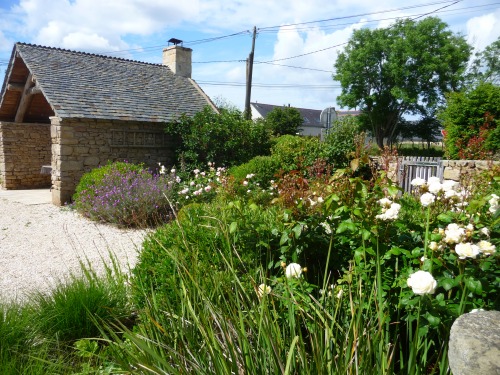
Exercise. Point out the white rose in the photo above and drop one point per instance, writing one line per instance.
(422, 282)
(453, 233)
(486, 247)
(466, 250)
(450, 193)
(393, 212)
(433, 246)
(385, 202)
(417, 182)
(493, 203)
(435, 187)
(263, 289)
(293, 270)
(426, 199)
(485, 231)
(449, 185)
(433, 180)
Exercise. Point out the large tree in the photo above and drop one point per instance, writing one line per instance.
(486, 65)
(402, 69)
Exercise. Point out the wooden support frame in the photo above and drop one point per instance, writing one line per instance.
(28, 90)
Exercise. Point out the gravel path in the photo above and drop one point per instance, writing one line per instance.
(40, 244)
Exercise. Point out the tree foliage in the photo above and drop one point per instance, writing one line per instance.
(486, 65)
(471, 119)
(225, 138)
(284, 120)
(339, 142)
(426, 129)
(402, 69)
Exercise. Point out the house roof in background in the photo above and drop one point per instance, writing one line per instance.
(311, 116)
(84, 85)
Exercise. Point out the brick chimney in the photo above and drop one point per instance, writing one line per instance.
(178, 59)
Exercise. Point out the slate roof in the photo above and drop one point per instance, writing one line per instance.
(311, 116)
(84, 85)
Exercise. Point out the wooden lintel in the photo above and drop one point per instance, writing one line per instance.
(15, 87)
(25, 99)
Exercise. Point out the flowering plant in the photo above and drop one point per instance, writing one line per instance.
(201, 186)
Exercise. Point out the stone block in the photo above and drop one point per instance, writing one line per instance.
(66, 151)
(451, 174)
(91, 161)
(474, 346)
(71, 166)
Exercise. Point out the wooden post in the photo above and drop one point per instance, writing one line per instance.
(248, 112)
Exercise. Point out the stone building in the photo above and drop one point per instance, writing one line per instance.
(63, 113)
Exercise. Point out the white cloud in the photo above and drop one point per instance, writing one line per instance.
(483, 30)
(98, 25)
(117, 25)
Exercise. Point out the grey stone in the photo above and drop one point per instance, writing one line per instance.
(474, 346)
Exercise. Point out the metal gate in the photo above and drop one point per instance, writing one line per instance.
(417, 166)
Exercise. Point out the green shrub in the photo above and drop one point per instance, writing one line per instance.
(284, 120)
(126, 195)
(196, 238)
(339, 143)
(470, 119)
(225, 138)
(265, 169)
(296, 152)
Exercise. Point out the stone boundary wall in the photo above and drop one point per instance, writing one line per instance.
(454, 169)
(24, 148)
(79, 145)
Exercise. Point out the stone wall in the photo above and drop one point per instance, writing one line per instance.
(454, 169)
(79, 145)
(24, 148)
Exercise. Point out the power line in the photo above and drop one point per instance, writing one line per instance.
(357, 15)
(292, 66)
(341, 44)
(446, 6)
(339, 25)
(268, 85)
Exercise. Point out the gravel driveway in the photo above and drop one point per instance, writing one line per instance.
(42, 243)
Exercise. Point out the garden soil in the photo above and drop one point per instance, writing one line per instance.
(42, 244)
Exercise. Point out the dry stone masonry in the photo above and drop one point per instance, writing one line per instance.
(24, 149)
(80, 145)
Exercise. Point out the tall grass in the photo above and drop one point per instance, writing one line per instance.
(224, 327)
(38, 337)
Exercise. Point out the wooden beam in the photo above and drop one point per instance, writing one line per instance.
(26, 99)
(15, 87)
(34, 90)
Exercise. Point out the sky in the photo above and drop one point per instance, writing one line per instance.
(297, 41)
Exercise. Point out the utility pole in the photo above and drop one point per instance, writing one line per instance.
(248, 113)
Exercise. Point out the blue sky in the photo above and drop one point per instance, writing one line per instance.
(296, 46)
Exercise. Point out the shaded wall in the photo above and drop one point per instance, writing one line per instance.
(79, 145)
(24, 148)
